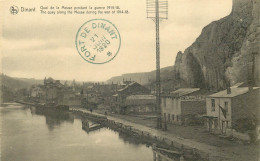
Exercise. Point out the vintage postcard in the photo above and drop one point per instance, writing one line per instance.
(129, 80)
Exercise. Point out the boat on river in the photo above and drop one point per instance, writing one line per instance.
(89, 126)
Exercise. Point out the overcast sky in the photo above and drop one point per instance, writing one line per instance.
(35, 45)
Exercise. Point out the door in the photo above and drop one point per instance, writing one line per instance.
(210, 124)
(224, 127)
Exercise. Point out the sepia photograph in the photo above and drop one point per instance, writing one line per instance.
(129, 80)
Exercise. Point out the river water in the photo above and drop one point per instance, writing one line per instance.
(28, 134)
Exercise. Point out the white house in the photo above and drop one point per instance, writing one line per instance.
(181, 104)
(228, 108)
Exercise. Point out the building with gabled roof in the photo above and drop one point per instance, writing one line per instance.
(183, 104)
(119, 99)
(140, 103)
(233, 92)
(133, 88)
(227, 109)
(183, 91)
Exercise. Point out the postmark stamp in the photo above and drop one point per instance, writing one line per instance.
(98, 41)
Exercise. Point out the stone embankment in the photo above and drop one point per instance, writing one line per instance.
(143, 135)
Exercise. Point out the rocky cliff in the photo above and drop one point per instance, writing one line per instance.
(225, 49)
(225, 52)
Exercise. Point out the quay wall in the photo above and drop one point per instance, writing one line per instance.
(145, 137)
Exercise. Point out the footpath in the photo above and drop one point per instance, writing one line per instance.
(237, 152)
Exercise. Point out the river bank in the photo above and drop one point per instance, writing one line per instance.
(177, 152)
(30, 133)
(190, 142)
(189, 147)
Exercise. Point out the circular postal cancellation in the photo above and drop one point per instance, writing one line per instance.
(98, 41)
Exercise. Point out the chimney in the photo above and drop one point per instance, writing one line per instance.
(228, 90)
(228, 87)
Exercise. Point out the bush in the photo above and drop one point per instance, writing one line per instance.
(245, 124)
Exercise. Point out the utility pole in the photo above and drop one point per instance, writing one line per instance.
(157, 10)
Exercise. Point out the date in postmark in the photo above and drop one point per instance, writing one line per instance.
(98, 41)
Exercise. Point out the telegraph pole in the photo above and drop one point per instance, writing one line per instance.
(157, 10)
(158, 77)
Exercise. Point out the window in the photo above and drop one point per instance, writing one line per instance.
(176, 104)
(226, 106)
(173, 117)
(212, 104)
(216, 124)
(164, 115)
(177, 118)
(169, 117)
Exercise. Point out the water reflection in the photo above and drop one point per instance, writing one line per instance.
(25, 137)
(54, 118)
(159, 154)
(31, 134)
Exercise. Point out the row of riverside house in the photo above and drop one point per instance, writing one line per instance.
(233, 112)
(53, 91)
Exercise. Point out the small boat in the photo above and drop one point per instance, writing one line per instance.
(88, 126)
